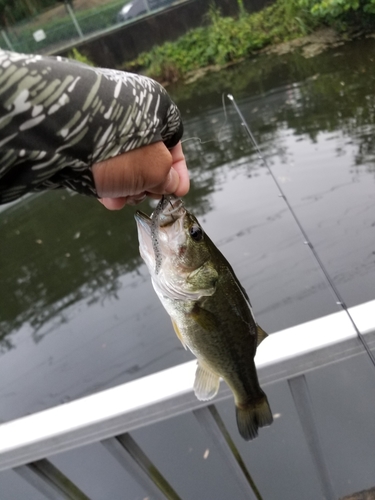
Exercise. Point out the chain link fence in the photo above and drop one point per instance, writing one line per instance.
(63, 26)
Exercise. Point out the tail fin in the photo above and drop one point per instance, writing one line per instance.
(252, 416)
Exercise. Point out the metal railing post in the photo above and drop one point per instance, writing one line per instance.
(126, 451)
(212, 423)
(49, 481)
(6, 39)
(74, 19)
(302, 400)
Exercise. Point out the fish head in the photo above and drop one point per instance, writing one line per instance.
(172, 244)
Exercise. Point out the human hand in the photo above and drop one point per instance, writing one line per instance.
(152, 170)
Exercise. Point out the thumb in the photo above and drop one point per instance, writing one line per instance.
(169, 185)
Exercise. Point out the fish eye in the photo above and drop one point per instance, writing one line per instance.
(196, 232)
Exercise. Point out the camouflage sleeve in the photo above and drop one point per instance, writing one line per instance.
(59, 117)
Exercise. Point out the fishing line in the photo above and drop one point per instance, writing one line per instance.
(339, 299)
(218, 138)
(196, 139)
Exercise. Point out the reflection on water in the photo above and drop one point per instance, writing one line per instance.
(56, 251)
(77, 311)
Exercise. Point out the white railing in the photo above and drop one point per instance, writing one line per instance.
(109, 416)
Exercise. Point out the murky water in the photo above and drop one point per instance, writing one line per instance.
(77, 311)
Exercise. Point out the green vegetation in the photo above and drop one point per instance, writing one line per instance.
(328, 9)
(76, 54)
(226, 39)
(342, 14)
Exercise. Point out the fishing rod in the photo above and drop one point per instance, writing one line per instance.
(339, 299)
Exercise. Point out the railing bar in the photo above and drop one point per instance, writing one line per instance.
(130, 456)
(6, 39)
(210, 420)
(49, 481)
(45, 468)
(234, 450)
(302, 400)
(46, 488)
(169, 393)
(149, 468)
(74, 20)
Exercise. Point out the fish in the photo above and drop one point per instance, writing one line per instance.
(209, 308)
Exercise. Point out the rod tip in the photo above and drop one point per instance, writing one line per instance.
(230, 97)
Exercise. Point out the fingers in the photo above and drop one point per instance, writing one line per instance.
(134, 172)
(118, 203)
(177, 181)
(152, 170)
(179, 165)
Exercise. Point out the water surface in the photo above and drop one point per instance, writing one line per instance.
(77, 310)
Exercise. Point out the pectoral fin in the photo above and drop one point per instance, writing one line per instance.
(261, 334)
(178, 333)
(205, 319)
(206, 384)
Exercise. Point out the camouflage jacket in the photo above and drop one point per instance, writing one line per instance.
(59, 117)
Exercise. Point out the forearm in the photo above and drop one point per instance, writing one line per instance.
(58, 118)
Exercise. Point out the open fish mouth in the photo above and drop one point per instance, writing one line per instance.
(168, 210)
(144, 236)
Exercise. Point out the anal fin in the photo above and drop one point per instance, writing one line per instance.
(206, 383)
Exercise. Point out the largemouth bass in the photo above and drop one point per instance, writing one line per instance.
(210, 310)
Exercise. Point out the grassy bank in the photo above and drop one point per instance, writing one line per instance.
(225, 40)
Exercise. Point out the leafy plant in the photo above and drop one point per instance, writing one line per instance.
(327, 9)
(225, 40)
(75, 54)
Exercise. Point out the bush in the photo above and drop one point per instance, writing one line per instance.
(78, 56)
(334, 9)
(225, 40)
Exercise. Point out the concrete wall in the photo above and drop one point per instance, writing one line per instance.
(124, 43)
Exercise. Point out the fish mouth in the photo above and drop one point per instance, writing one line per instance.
(169, 209)
(146, 249)
(143, 222)
(159, 234)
